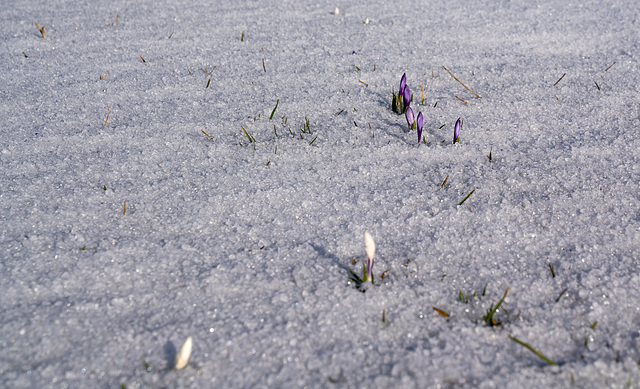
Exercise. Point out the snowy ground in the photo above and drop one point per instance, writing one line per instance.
(247, 248)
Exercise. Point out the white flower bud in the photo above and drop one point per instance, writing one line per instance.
(182, 358)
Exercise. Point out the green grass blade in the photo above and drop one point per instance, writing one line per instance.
(248, 136)
(465, 199)
(274, 109)
(533, 350)
(561, 293)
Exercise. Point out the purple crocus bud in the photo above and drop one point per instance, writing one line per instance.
(370, 249)
(408, 114)
(406, 96)
(403, 83)
(419, 126)
(456, 132)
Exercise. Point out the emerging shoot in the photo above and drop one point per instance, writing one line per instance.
(182, 358)
(370, 249)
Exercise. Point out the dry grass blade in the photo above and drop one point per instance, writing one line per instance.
(460, 99)
(41, 29)
(441, 312)
(108, 113)
(560, 79)
(454, 77)
(208, 136)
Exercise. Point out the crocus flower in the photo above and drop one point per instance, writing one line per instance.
(406, 96)
(419, 125)
(408, 114)
(456, 132)
(370, 249)
(403, 83)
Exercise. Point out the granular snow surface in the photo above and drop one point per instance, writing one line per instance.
(136, 211)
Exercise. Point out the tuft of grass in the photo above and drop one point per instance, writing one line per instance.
(383, 318)
(274, 109)
(462, 298)
(533, 350)
(314, 139)
(553, 272)
(445, 181)
(341, 378)
(143, 61)
(489, 156)
(242, 37)
(488, 318)
(208, 82)
(610, 66)
(146, 365)
(251, 138)
(41, 29)
(362, 82)
(484, 291)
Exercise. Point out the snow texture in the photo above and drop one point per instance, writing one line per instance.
(126, 229)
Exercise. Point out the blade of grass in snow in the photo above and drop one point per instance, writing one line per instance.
(533, 350)
(441, 312)
(561, 293)
(465, 199)
(251, 138)
(454, 77)
(274, 109)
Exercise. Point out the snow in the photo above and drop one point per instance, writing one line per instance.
(247, 249)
